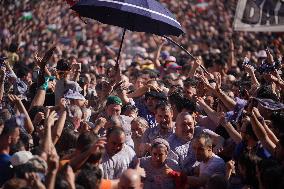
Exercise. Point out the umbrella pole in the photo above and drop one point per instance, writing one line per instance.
(186, 51)
(122, 39)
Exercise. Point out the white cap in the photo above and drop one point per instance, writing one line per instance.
(21, 157)
(261, 54)
(171, 59)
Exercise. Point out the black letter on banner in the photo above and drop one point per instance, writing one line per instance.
(268, 14)
(254, 19)
(281, 14)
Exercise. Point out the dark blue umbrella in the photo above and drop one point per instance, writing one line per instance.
(136, 15)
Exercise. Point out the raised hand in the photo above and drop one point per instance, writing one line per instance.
(14, 99)
(50, 118)
(38, 118)
(218, 81)
(269, 56)
(232, 47)
(250, 69)
(159, 40)
(230, 166)
(34, 181)
(53, 163)
(141, 171)
(98, 145)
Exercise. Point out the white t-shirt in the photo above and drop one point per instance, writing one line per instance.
(114, 166)
(215, 165)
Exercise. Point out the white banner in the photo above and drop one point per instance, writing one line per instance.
(260, 15)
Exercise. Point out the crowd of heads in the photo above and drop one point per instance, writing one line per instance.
(73, 117)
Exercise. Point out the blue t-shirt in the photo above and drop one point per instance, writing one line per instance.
(259, 151)
(6, 171)
(145, 113)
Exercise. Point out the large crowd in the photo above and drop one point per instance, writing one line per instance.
(71, 117)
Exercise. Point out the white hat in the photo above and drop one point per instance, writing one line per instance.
(21, 157)
(171, 59)
(74, 95)
(261, 54)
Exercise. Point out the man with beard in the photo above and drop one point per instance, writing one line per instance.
(8, 138)
(165, 127)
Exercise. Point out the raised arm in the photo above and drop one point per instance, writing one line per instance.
(232, 61)
(21, 108)
(78, 161)
(50, 118)
(250, 70)
(58, 127)
(158, 52)
(212, 114)
(2, 82)
(260, 131)
(234, 134)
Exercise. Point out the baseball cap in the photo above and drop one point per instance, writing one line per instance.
(20, 158)
(173, 66)
(171, 59)
(114, 100)
(261, 54)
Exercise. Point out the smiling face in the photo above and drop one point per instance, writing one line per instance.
(185, 126)
(137, 129)
(158, 155)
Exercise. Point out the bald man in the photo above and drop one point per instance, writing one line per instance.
(130, 179)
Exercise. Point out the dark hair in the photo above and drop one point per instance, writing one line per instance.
(208, 140)
(163, 105)
(190, 82)
(13, 47)
(15, 183)
(67, 140)
(8, 129)
(266, 92)
(128, 107)
(89, 177)
(271, 177)
(176, 99)
(189, 105)
(114, 130)
(277, 119)
(86, 139)
(250, 132)
(217, 182)
(60, 182)
(63, 65)
(249, 163)
(34, 110)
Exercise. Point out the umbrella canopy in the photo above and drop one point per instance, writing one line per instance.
(136, 15)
